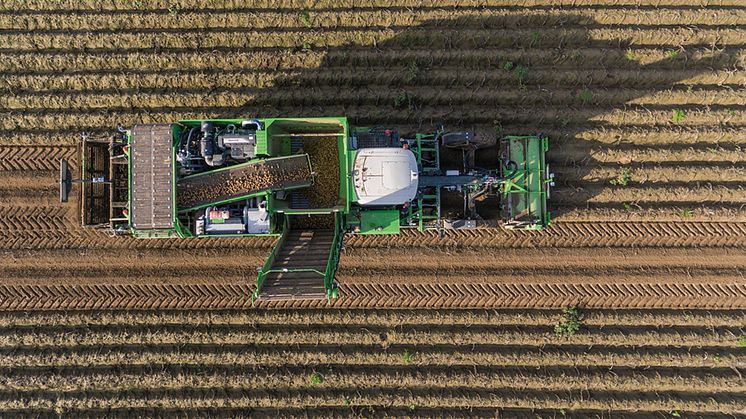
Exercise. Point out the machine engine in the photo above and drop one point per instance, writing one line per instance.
(212, 145)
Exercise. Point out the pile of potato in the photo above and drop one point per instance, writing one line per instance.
(323, 152)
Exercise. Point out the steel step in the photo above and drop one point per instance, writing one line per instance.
(293, 292)
(307, 243)
(271, 282)
(311, 235)
(290, 267)
(314, 248)
(305, 254)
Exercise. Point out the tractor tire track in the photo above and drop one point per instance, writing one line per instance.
(88, 240)
(37, 222)
(36, 158)
(378, 295)
(573, 234)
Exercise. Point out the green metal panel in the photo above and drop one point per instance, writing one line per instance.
(344, 170)
(526, 190)
(351, 194)
(267, 266)
(262, 145)
(379, 221)
(333, 263)
(331, 267)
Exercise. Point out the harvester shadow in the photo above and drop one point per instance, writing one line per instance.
(498, 75)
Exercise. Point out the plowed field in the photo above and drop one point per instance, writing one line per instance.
(644, 103)
(383, 363)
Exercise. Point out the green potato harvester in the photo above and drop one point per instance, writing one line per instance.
(306, 181)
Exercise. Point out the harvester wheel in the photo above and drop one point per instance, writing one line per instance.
(464, 140)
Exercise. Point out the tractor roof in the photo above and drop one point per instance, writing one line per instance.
(385, 176)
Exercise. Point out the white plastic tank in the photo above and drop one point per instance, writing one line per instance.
(385, 176)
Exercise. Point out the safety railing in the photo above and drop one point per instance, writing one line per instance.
(331, 264)
(266, 267)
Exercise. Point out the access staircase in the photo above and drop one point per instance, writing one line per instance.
(299, 267)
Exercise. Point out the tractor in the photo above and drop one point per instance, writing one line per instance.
(308, 182)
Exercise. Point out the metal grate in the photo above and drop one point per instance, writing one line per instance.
(151, 205)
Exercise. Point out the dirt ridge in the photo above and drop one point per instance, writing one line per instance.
(358, 295)
(34, 158)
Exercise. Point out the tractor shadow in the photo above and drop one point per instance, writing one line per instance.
(511, 74)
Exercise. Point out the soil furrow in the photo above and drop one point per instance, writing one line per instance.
(265, 6)
(222, 98)
(205, 355)
(97, 379)
(439, 396)
(696, 117)
(383, 317)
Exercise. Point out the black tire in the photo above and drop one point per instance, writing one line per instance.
(460, 140)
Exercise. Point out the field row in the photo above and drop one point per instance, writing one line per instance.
(361, 266)
(578, 58)
(376, 318)
(649, 361)
(30, 6)
(434, 37)
(24, 216)
(367, 292)
(206, 355)
(341, 401)
(422, 96)
(571, 118)
(698, 87)
(61, 337)
(440, 17)
(365, 378)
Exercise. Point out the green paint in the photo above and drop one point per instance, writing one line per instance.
(379, 221)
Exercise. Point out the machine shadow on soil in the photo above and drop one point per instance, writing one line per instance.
(533, 112)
